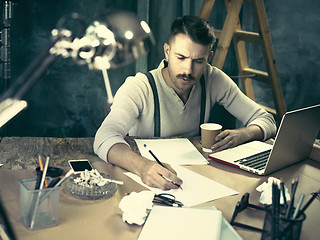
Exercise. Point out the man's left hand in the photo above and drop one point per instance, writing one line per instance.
(232, 138)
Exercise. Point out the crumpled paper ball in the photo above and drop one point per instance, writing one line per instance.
(135, 205)
(266, 191)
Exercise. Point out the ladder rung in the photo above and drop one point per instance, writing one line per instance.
(242, 35)
(248, 36)
(269, 109)
(259, 75)
(217, 33)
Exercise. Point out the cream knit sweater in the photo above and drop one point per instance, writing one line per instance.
(133, 109)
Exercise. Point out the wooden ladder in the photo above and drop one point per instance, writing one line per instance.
(232, 29)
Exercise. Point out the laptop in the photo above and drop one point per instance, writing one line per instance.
(293, 143)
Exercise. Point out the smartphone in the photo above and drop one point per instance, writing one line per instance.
(80, 165)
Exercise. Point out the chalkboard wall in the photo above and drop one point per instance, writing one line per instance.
(69, 100)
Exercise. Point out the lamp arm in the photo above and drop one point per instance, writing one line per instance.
(31, 75)
(10, 101)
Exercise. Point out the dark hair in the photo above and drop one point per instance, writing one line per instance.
(198, 29)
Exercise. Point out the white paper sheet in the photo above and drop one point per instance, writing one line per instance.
(178, 151)
(197, 189)
(166, 223)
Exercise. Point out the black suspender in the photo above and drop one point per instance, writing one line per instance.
(203, 102)
(157, 105)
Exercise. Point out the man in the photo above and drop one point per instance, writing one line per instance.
(179, 91)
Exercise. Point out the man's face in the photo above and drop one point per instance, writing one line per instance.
(186, 62)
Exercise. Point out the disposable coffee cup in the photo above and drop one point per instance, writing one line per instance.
(209, 131)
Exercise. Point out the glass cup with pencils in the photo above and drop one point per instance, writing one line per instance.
(285, 221)
(39, 208)
(39, 198)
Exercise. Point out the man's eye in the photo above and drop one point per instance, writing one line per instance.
(199, 61)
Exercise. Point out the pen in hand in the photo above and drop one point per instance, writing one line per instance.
(154, 156)
(161, 164)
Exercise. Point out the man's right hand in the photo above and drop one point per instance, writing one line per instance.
(150, 172)
(154, 175)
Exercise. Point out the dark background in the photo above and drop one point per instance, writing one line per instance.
(69, 100)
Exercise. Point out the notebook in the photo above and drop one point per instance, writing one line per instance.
(293, 143)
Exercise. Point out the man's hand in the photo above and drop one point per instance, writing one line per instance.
(150, 172)
(154, 175)
(232, 138)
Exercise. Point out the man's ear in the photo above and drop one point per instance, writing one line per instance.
(210, 56)
(166, 49)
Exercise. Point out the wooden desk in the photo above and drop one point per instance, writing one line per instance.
(79, 219)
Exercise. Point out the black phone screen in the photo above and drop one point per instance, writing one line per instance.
(80, 166)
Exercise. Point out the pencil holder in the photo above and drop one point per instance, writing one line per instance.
(280, 227)
(38, 208)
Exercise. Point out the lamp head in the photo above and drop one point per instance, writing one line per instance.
(113, 41)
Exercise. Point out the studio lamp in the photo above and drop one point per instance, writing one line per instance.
(109, 42)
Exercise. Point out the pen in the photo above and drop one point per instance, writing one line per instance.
(314, 195)
(283, 193)
(154, 156)
(169, 180)
(160, 163)
(296, 211)
(41, 167)
(275, 210)
(44, 173)
(57, 185)
(293, 191)
(38, 180)
(54, 182)
(65, 177)
(294, 188)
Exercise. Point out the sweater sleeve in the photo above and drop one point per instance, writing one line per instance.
(226, 93)
(128, 102)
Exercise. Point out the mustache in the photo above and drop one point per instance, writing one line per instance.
(189, 76)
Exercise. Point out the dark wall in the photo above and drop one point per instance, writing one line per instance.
(69, 100)
(294, 28)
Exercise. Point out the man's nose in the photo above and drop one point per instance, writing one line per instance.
(188, 67)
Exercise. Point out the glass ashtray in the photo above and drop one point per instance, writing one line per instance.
(93, 192)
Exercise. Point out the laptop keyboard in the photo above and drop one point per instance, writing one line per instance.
(257, 161)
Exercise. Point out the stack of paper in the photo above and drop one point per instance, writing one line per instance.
(187, 223)
(182, 223)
